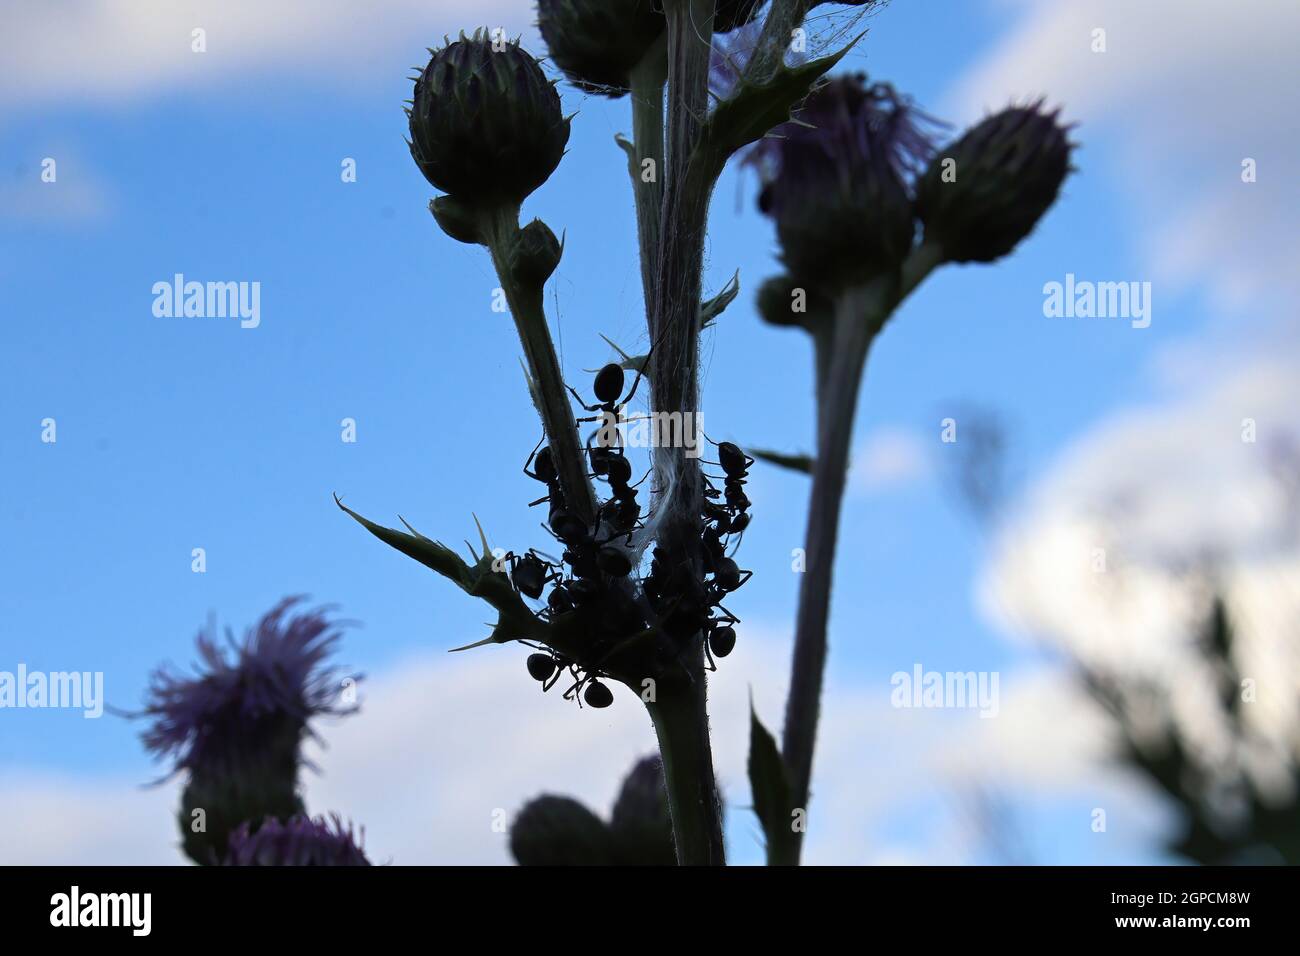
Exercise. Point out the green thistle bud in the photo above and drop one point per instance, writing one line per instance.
(641, 824)
(784, 302)
(597, 43)
(536, 254)
(486, 125)
(457, 220)
(986, 192)
(559, 831)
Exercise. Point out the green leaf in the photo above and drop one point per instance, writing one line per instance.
(515, 619)
(794, 462)
(710, 309)
(769, 782)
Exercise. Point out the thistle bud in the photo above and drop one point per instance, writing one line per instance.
(838, 182)
(536, 255)
(486, 125)
(457, 220)
(986, 192)
(559, 831)
(784, 302)
(641, 824)
(597, 43)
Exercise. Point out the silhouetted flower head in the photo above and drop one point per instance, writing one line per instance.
(275, 679)
(300, 841)
(597, 43)
(486, 125)
(987, 191)
(837, 179)
(559, 831)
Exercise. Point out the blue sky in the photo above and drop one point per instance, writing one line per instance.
(179, 433)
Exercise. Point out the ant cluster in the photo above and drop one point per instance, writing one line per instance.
(596, 574)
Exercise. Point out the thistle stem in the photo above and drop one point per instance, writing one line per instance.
(681, 717)
(860, 313)
(681, 724)
(647, 82)
(549, 392)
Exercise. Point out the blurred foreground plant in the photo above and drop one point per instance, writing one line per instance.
(559, 831)
(235, 729)
(1236, 803)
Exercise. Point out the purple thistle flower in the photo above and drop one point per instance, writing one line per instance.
(276, 677)
(846, 126)
(237, 725)
(301, 841)
(838, 179)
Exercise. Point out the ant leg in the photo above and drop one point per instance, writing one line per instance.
(553, 679)
(536, 449)
(712, 665)
(578, 398)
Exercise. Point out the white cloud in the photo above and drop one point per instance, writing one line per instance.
(80, 820)
(887, 458)
(443, 741)
(96, 51)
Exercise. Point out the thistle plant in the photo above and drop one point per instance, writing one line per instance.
(636, 595)
(235, 729)
(559, 831)
(859, 178)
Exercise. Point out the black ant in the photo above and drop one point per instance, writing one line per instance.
(530, 573)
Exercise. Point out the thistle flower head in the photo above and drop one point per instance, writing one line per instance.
(641, 824)
(597, 43)
(837, 179)
(559, 831)
(236, 726)
(987, 191)
(486, 125)
(274, 680)
(300, 841)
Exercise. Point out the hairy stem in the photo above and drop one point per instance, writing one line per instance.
(549, 392)
(682, 726)
(841, 353)
(674, 378)
(859, 314)
(648, 80)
